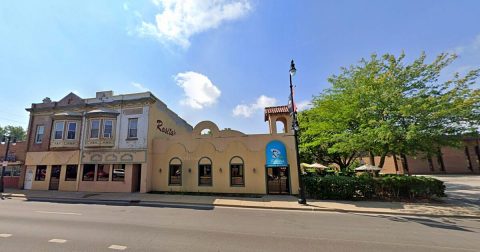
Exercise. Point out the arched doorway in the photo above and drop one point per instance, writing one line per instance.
(277, 168)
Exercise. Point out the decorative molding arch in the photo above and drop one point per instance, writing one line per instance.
(96, 157)
(197, 130)
(126, 157)
(205, 159)
(111, 157)
(174, 161)
(236, 160)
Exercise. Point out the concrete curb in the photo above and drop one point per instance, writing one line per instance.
(210, 206)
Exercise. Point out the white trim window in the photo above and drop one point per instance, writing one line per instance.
(71, 130)
(39, 134)
(59, 128)
(132, 127)
(95, 128)
(107, 128)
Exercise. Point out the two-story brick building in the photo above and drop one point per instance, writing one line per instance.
(95, 144)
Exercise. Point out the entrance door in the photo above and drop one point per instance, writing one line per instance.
(55, 177)
(136, 177)
(277, 180)
(28, 179)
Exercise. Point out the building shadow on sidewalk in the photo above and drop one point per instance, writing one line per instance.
(443, 223)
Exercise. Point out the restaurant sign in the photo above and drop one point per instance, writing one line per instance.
(168, 131)
(276, 154)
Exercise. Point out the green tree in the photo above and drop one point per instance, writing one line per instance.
(15, 131)
(384, 105)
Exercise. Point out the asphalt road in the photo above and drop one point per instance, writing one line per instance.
(42, 226)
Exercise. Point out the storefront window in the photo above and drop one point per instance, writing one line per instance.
(71, 173)
(7, 172)
(103, 172)
(88, 172)
(205, 172)
(40, 173)
(175, 171)
(118, 173)
(16, 171)
(236, 172)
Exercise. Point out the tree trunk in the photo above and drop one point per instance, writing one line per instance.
(395, 163)
(405, 163)
(440, 159)
(372, 158)
(382, 160)
(430, 163)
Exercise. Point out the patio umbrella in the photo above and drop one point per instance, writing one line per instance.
(314, 165)
(368, 168)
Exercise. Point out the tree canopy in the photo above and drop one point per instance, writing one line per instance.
(385, 105)
(14, 131)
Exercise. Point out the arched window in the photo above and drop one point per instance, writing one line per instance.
(205, 172)
(175, 172)
(281, 125)
(237, 171)
(206, 132)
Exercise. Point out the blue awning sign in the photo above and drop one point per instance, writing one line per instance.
(276, 154)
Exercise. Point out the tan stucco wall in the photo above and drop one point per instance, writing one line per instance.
(220, 147)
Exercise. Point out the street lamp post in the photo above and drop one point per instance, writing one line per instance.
(295, 128)
(6, 139)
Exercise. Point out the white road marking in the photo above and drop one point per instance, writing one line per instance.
(5, 235)
(117, 247)
(65, 213)
(58, 240)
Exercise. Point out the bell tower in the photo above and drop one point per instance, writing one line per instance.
(279, 119)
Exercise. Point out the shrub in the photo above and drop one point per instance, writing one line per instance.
(391, 187)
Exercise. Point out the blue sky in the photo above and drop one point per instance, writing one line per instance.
(213, 60)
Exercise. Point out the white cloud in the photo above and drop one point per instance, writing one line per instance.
(181, 19)
(303, 105)
(247, 110)
(125, 6)
(468, 56)
(199, 90)
(139, 87)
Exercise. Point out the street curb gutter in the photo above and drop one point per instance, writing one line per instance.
(210, 206)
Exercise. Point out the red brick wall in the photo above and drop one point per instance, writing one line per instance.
(454, 159)
(45, 120)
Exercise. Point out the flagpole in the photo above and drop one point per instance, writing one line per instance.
(295, 127)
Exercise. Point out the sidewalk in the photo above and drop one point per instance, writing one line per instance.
(265, 202)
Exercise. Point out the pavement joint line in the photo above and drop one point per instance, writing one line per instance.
(117, 247)
(64, 213)
(5, 235)
(57, 240)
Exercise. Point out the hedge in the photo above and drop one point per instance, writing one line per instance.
(392, 187)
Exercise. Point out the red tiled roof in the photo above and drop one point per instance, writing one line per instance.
(275, 110)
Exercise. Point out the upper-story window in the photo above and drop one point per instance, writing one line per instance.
(39, 133)
(71, 130)
(107, 128)
(132, 127)
(58, 133)
(94, 128)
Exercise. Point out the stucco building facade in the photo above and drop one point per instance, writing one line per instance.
(134, 143)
